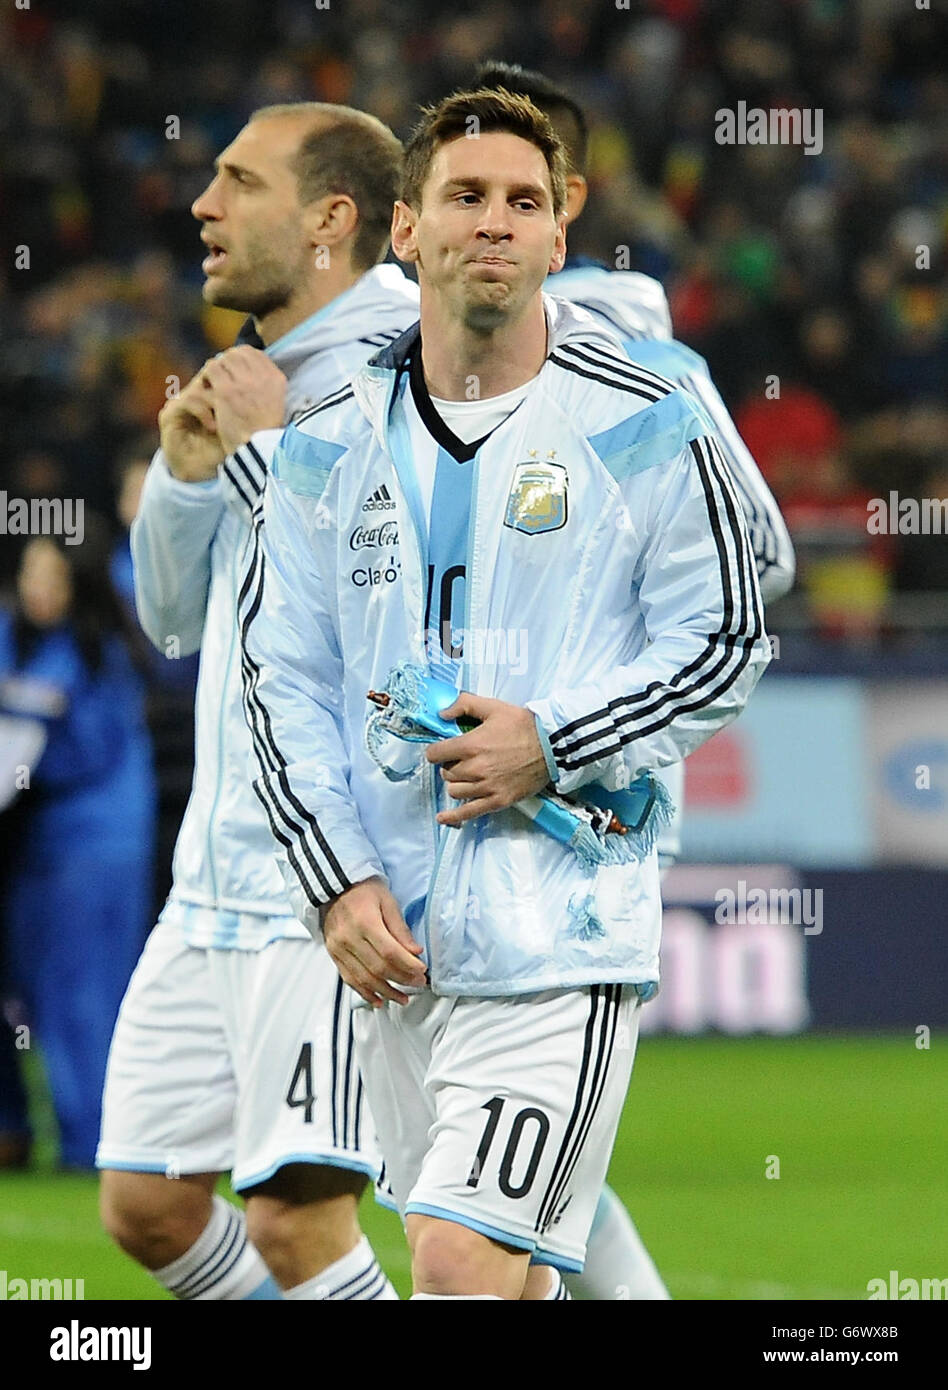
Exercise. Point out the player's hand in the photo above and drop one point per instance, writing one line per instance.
(495, 764)
(189, 437)
(370, 944)
(248, 392)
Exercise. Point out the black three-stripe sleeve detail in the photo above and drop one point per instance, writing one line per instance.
(345, 393)
(252, 468)
(276, 761)
(623, 719)
(382, 339)
(273, 788)
(238, 483)
(247, 472)
(264, 788)
(559, 361)
(758, 506)
(652, 384)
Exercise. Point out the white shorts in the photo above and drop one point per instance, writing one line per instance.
(234, 1061)
(501, 1114)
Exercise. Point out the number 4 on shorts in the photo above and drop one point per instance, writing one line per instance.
(303, 1077)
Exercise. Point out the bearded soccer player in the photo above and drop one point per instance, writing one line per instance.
(498, 1043)
(234, 1050)
(634, 307)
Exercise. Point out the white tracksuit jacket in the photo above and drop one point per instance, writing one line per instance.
(606, 528)
(190, 545)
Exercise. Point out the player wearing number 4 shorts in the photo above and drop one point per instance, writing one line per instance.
(234, 1048)
(502, 961)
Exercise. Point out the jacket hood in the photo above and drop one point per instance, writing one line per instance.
(378, 304)
(634, 304)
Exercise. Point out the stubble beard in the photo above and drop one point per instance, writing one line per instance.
(263, 284)
(257, 299)
(485, 316)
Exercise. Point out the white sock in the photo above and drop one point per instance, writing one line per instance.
(471, 1297)
(618, 1266)
(357, 1275)
(221, 1264)
(558, 1289)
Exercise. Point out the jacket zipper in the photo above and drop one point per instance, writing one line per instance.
(464, 677)
(429, 772)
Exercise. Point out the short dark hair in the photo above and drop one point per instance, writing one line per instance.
(351, 152)
(566, 115)
(450, 119)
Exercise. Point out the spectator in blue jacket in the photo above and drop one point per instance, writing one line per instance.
(78, 890)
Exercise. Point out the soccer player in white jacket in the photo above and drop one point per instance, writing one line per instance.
(233, 1051)
(503, 976)
(634, 307)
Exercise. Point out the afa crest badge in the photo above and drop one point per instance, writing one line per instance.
(537, 499)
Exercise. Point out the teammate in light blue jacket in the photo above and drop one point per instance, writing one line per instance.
(234, 1049)
(603, 532)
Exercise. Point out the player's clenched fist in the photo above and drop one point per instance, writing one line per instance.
(370, 944)
(189, 438)
(248, 392)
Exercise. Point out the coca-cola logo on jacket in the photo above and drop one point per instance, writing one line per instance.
(369, 537)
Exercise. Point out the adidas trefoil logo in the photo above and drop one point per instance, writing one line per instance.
(380, 501)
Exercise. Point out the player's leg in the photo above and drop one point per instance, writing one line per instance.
(396, 1047)
(305, 1223)
(450, 1260)
(194, 1242)
(527, 1094)
(544, 1284)
(154, 1218)
(618, 1266)
(305, 1140)
(167, 1125)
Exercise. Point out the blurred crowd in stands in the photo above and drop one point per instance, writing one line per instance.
(814, 284)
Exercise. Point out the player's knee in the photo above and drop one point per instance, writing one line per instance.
(450, 1258)
(303, 1205)
(152, 1218)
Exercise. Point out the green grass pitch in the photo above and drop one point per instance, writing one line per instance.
(859, 1126)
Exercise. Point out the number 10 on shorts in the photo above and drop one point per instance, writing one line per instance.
(529, 1116)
